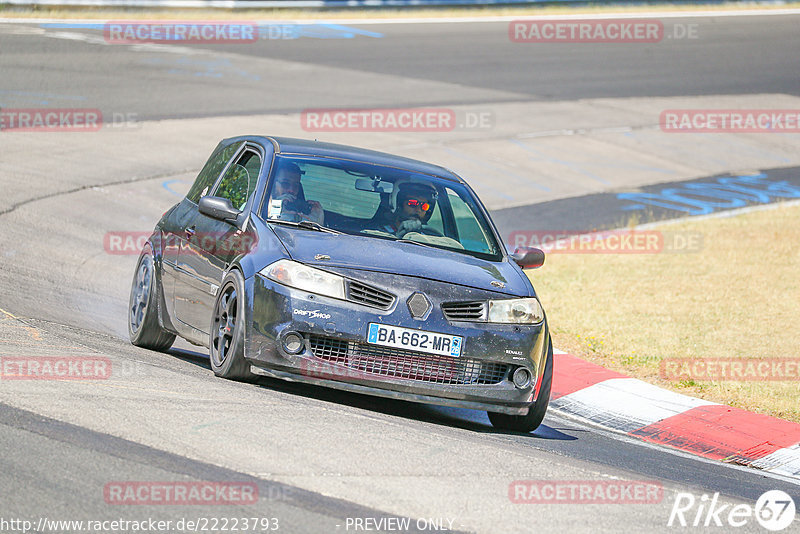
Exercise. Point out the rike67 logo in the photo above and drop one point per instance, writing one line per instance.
(774, 510)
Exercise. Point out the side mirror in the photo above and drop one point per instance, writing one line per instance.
(218, 208)
(528, 257)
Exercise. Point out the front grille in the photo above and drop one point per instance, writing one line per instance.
(371, 296)
(406, 364)
(465, 311)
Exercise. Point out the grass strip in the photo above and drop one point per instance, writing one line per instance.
(738, 296)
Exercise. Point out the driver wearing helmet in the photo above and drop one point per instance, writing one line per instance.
(413, 208)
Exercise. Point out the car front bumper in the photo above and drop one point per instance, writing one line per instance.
(334, 351)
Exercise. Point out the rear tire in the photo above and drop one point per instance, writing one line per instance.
(535, 415)
(143, 327)
(226, 341)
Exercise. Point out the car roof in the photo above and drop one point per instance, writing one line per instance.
(289, 145)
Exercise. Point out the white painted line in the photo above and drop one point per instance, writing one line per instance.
(784, 461)
(622, 405)
(626, 404)
(616, 435)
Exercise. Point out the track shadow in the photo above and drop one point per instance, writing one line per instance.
(473, 420)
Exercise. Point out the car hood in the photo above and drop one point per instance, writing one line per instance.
(385, 256)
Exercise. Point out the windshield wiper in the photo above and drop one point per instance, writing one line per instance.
(308, 225)
(414, 242)
(318, 227)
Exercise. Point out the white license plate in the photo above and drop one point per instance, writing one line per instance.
(408, 338)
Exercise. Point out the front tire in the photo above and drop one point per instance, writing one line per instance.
(227, 331)
(535, 415)
(143, 328)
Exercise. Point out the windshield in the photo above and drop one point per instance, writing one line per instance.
(378, 201)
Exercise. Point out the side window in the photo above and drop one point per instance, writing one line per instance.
(470, 232)
(435, 220)
(240, 180)
(205, 180)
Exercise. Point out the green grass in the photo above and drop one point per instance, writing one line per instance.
(739, 296)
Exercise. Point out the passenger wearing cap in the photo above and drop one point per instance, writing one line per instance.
(414, 207)
(288, 202)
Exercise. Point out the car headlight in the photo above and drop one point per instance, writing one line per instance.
(293, 274)
(525, 311)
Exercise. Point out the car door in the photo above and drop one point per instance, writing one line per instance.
(175, 280)
(173, 234)
(212, 244)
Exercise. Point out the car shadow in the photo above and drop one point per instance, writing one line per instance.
(466, 419)
(191, 356)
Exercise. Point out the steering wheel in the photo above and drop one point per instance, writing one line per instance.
(427, 230)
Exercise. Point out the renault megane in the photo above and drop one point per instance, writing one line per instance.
(347, 268)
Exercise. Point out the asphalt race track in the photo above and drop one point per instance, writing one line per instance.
(568, 129)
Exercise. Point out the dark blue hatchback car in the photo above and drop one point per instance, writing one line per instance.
(347, 268)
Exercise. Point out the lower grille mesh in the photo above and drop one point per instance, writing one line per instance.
(406, 364)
